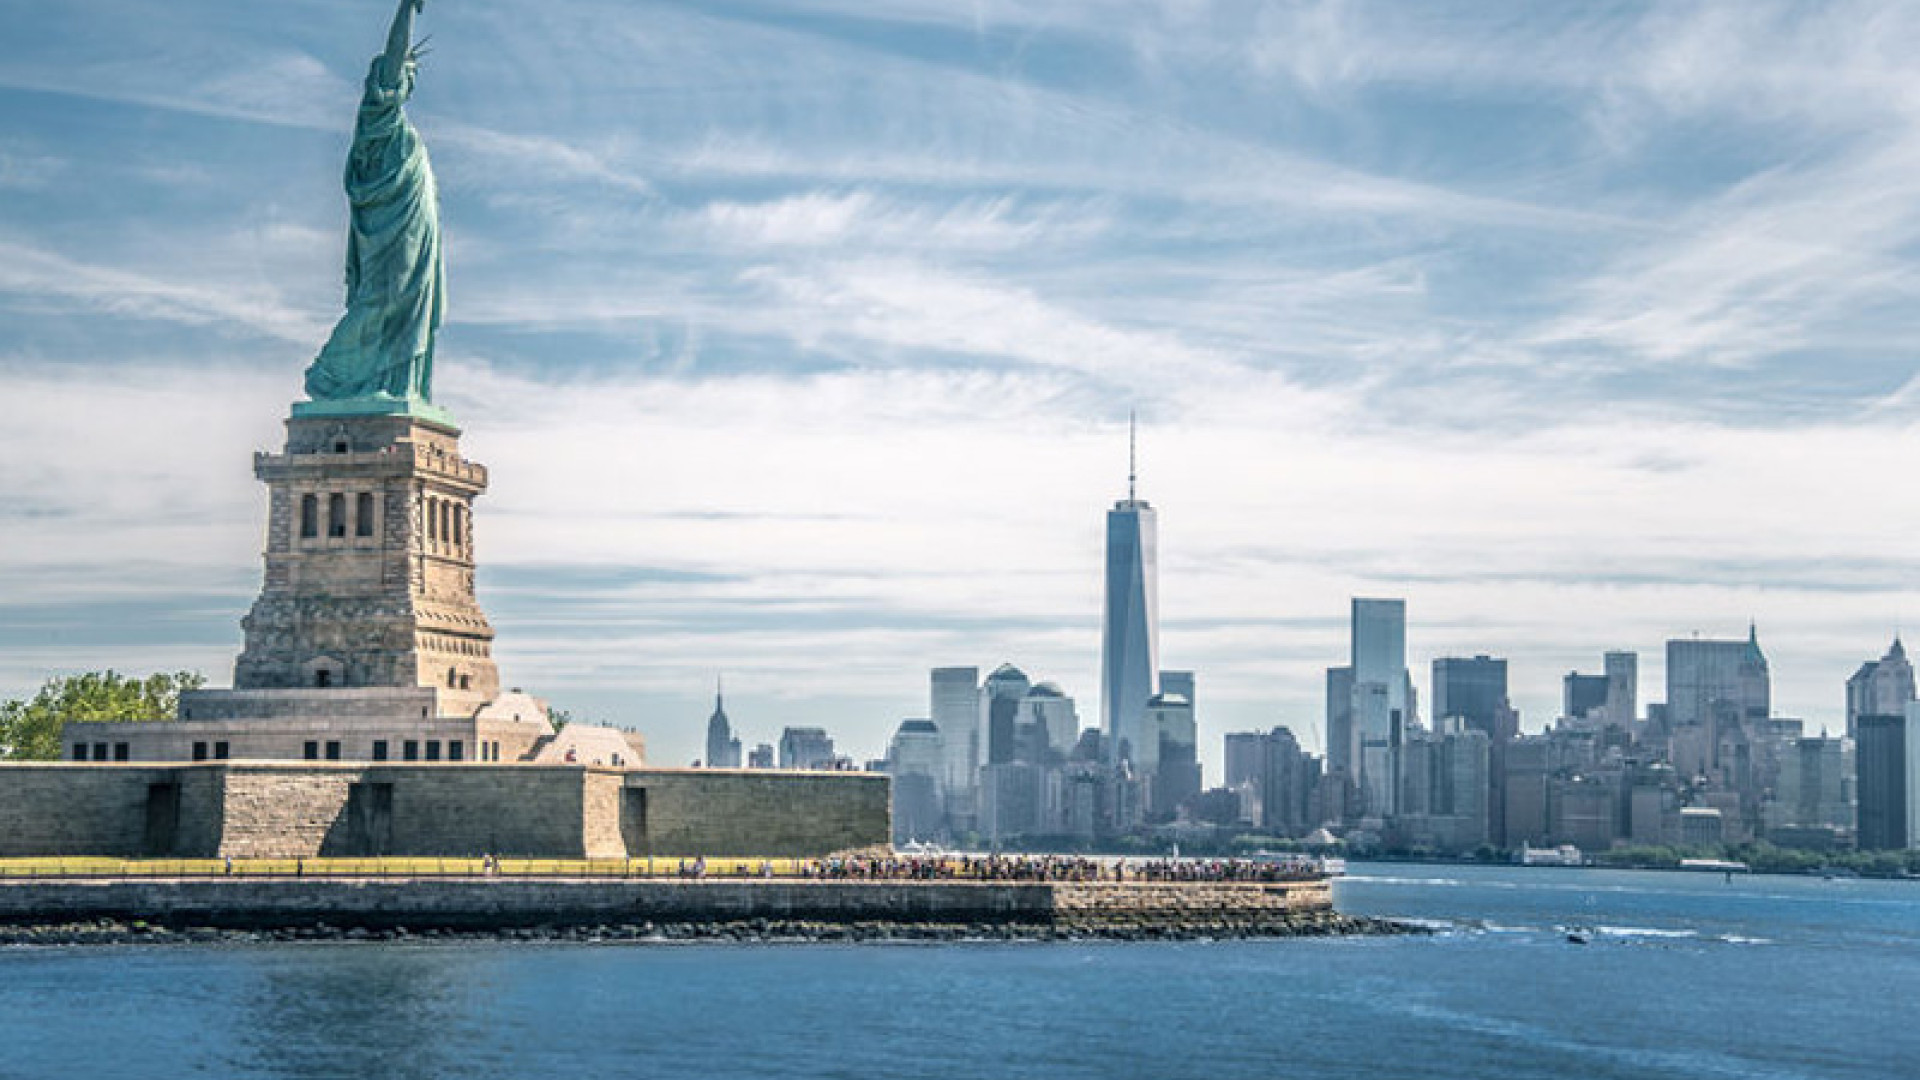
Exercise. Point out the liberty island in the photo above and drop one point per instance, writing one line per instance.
(367, 728)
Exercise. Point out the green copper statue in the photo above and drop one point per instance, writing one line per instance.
(380, 357)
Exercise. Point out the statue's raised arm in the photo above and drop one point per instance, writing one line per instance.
(380, 356)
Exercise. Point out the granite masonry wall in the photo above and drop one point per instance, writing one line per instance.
(771, 814)
(497, 903)
(306, 809)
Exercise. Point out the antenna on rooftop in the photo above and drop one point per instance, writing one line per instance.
(1132, 458)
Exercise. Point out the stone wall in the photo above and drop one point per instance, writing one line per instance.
(306, 809)
(494, 903)
(1146, 904)
(719, 812)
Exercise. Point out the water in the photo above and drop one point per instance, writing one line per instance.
(1687, 976)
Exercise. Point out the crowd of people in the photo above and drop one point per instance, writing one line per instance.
(1063, 868)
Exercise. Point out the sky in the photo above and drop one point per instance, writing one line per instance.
(800, 337)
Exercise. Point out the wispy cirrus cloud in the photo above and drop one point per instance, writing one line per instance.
(800, 335)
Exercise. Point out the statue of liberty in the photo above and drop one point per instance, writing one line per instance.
(380, 356)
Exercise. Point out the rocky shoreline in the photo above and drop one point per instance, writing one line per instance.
(751, 931)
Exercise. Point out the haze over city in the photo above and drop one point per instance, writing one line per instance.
(801, 337)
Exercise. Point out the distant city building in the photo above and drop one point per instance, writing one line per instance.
(1343, 739)
(1882, 687)
(1704, 674)
(1382, 697)
(1444, 787)
(761, 757)
(723, 750)
(1881, 756)
(1277, 782)
(1474, 690)
(1813, 794)
(806, 748)
(1130, 625)
(1582, 695)
(1174, 769)
(1046, 726)
(999, 705)
(1181, 683)
(914, 761)
(955, 710)
(1623, 687)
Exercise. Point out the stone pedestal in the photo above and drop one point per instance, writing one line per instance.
(369, 564)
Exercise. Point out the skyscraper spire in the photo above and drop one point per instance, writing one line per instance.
(1132, 447)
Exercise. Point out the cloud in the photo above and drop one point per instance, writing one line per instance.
(800, 336)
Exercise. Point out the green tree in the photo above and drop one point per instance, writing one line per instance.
(30, 728)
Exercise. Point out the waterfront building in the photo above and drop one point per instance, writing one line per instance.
(1813, 803)
(761, 757)
(1880, 757)
(1382, 698)
(723, 749)
(914, 762)
(1882, 687)
(1445, 788)
(1130, 623)
(955, 711)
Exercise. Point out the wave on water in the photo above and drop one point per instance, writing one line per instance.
(1644, 932)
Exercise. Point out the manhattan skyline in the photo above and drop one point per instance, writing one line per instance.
(1573, 348)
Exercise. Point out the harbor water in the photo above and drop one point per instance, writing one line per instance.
(1536, 972)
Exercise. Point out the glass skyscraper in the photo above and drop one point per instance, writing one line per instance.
(1380, 697)
(1130, 628)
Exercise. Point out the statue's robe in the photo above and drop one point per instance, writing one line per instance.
(396, 285)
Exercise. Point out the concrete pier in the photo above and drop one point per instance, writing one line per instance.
(494, 904)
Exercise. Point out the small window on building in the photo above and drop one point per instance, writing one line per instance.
(459, 517)
(339, 446)
(322, 678)
(446, 521)
(456, 750)
(379, 749)
(336, 515)
(410, 750)
(79, 751)
(122, 751)
(333, 751)
(309, 517)
(433, 749)
(433, 520)
(363, 514)
(464, 683)
(453, 678)
(199, 751)
(312, 752)
(220, 751)
(496, 751)
(99, 751)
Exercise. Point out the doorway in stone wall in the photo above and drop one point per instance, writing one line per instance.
(370, 819)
